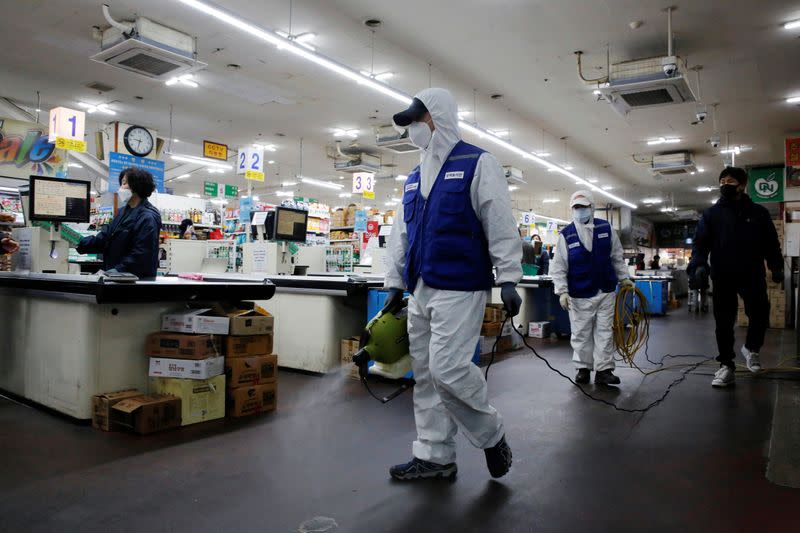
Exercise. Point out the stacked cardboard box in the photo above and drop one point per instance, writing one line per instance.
(350, 215)
(338, 218)
(251, 368)
(777, 308)
(347, 348)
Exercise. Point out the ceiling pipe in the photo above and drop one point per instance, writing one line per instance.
(124, 28)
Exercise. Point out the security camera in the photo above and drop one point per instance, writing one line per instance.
(701, 116)
(714, 141)
(670, 69)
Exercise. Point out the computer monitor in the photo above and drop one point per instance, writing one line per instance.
(290, 224)
(59, 200)
(11, 205)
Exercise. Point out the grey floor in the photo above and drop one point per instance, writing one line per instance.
(694, 463)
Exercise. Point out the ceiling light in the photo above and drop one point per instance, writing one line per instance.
(176, 140)
(705, 189)
(463, 113)
(567, 167)
(38, 110)
(714, 201)
(193, 195)
(607, 188)
(346, 72)
(663, 140)
(793, 100)
(401, 177)
(305, 37)
(668, 209)
(302, 39)
(652, 201)
(341, 132)
(542, 154)
(792, 25)
(733, 150)
(499, 133)
(512, 188)
(381, 76)
(692, 173)
(183, 176)
(592, 180)
(288, 183)
(284, 193)
(102, 108)
(186, 79)
(222, 201)
(75, 165)
(389, 204)
(320, 183)
(271, 148)
(597, 92)
(345, 194)
(341, 177)
(215, 171)
(701, 169)
(200, 161)
(551, 200)
(270, 162)
(559, 220)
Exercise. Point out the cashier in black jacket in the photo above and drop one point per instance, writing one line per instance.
(130, 242)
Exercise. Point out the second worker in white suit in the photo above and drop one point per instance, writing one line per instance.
(587, 266)
(455, 224)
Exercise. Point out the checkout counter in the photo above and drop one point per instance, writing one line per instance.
(67, 337)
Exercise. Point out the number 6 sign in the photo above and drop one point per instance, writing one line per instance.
(250, 162)
(67, 128)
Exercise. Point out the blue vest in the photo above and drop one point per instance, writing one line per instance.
(590, 272)
(446, 243)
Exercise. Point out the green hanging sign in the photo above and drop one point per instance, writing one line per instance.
(231, 191)
(211, 189)
(765, 184)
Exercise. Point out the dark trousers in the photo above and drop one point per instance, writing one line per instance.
(726, 304)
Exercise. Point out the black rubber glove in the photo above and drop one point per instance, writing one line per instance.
(777, 277)
(511, 299)
(394, 301)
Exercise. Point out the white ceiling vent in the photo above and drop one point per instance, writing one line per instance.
(673, 164)
(643, 83)
(389, 138)
(360, 163)
(148, 49)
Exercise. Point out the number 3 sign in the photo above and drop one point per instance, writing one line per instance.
(250, 162)
(67, 128)
(363, 183)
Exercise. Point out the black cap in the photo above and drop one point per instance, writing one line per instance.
(739, 174)
(414, 112)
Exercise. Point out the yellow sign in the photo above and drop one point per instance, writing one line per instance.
(369, 195)
(254, 175)
(70, 144)
(214, 150)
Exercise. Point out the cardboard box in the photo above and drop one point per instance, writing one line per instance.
(102, 404)
(201, 399)
(494, 313)
(245, 401)
(254, 370)
(347, 348)
(505, 344)
(163, 367)
(182, 346)
(540, 330)
(196, 321)
(248, 345)
(147, 414)
(491, 329)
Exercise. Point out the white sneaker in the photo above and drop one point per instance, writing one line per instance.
(725, 376)
(752, 359)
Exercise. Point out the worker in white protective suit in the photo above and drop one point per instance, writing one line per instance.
(587, 266)
(454, 226)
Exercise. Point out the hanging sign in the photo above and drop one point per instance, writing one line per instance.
(231, 191)
(369, 195)
(361, 221)
(67, 128)
(25, 150)
(793, 162)
(117, 162)
(527, 219)
(245, 206)
(765, 184)
(214, 150)
(211, 189)
(250, 163)
(363, 182)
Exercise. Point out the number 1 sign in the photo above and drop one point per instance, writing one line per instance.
(250, 162)
(67, 128)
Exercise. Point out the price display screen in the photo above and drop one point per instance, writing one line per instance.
(59, 200)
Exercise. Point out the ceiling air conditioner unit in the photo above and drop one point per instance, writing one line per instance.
(389, 138)
(149, 49)
(513, 174)
(360, 163)
(673, 164)
(644, 83)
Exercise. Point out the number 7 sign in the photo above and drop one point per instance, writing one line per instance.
(67, 128)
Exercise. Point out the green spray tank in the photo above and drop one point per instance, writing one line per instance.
(384, 341)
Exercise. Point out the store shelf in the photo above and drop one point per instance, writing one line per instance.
(206, 226)
(343, 228)
(318, 232)
(345, 240)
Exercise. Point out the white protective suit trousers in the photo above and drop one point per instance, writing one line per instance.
(591, 321)
(443, 330)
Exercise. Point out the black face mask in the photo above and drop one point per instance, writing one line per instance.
(728, 191)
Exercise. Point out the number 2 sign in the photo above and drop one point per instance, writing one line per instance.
(67, 128)
(363, 182)
(250, 162)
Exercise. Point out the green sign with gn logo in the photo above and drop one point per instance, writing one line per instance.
(765, 184)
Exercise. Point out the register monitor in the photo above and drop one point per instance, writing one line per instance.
(59, 200)
(290, 224)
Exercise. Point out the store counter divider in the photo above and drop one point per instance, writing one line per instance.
(67, 337)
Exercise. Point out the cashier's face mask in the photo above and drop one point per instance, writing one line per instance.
(582, 214)
(419, 133)
(124, 196)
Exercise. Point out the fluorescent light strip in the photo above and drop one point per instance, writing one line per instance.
(559, 220)
(201, 161)
(334, 66)
(793, 100)
(320, 183)
(792, 25)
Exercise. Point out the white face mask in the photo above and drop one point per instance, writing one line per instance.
(582, 214)
(419, 133)
(124, 196)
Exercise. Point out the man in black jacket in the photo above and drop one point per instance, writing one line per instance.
(740, 237)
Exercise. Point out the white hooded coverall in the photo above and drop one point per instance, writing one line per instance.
(444, 326)
(591, 319)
